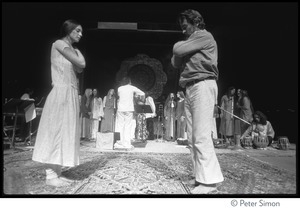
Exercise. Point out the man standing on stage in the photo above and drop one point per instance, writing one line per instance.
(198, 55)
(125, 113)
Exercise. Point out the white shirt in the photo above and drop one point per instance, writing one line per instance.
(26, 96)
(149, 101)
(126, 94)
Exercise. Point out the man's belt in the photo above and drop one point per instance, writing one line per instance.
(198, 80)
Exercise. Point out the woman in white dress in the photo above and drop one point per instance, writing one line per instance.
(86, 114)
(97, 113)
(57, 142)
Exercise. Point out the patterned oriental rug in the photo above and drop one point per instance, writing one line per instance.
(148, 173)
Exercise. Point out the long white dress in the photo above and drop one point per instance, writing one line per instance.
(58, 136)
(97, 113)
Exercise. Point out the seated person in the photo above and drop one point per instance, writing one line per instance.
(259, 127)
(25, 129)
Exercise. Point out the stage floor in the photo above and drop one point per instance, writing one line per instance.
(158, 167)
(284, 159)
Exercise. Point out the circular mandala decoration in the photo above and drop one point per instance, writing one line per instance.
(146, 73)
(142, 76)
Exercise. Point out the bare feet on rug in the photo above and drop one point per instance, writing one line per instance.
(204, 189)
(190, 182)
(56, 182)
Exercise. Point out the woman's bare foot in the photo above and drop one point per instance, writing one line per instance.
(204, 189)
(56, 182)
(190, 182)
(66, 179)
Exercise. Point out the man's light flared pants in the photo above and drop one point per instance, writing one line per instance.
(199, 108)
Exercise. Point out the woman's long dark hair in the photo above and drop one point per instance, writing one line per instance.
(263, 118)
(229, 90)
(97, 94)
(169, 99)
(67, 27)
(181, 93)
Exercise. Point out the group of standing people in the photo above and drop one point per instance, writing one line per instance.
(174, 117)
(96, 115)
(232, 105)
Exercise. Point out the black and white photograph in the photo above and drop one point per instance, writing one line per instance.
(150, 99)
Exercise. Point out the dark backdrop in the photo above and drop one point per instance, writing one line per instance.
(257, 43)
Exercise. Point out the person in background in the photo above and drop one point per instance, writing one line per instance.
(27, 95)
(260, 127)
(198, 56)
(227, 120)
(246, 109)
(169, 115)
(58, 138)
(79, 99)
(97, 113)
(86, 113)
(109, 107)
(180, 117)
(133, 126)
(125, 111)
(25, 128)
(150, 116)
(141, 124)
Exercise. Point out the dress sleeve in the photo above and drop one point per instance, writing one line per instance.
(104, 101)
(101, 107)
(60, 45)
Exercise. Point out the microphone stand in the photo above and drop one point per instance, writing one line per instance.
(171, 118)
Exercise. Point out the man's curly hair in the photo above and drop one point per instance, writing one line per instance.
(193, 17)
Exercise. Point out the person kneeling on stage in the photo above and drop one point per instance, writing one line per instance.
(259, 128)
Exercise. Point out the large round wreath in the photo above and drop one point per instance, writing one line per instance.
(146, 73)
